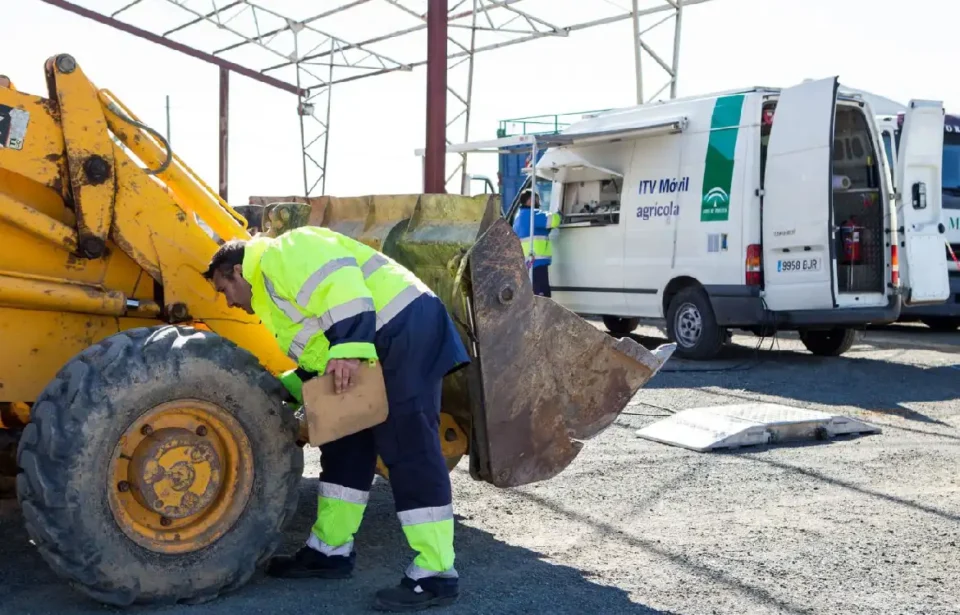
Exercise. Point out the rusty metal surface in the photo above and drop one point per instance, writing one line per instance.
(549, 378)
(176, 473)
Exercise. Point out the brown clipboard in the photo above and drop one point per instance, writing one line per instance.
(331, 416)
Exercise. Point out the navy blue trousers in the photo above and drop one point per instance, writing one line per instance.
(409, 444)
(541, 281)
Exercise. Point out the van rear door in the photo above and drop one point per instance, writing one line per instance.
(923, 272)
(798, 199)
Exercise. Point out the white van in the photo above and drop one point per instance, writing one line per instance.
(762, 209)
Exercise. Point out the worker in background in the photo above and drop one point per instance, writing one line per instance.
(543, 223)
(333, 302)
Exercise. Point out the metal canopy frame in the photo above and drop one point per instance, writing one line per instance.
(306, 48)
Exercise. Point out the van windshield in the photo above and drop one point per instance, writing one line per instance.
(951, 168)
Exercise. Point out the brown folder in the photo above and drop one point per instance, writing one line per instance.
(331, 416)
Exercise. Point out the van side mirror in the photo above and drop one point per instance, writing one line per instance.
(919, 191)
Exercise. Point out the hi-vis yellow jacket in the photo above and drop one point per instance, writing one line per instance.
(323, 295)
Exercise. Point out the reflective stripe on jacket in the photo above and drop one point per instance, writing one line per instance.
(323, 295)
(543, 223)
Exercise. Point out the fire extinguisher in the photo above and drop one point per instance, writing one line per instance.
(850, 236)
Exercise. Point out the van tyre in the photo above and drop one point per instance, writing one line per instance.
(692, 324)
(830, 343)
(620, 327)
(67, 460)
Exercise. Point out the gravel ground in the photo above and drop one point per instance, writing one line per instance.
(863, 525)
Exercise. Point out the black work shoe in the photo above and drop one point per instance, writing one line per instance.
(413, 595)
(310, 564)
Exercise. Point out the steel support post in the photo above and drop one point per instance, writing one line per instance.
(224, 129)
(434, 181)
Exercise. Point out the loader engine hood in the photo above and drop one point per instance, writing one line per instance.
(542, 379)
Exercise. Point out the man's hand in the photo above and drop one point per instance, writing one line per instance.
(344, 373)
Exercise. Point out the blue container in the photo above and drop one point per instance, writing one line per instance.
(512, 176)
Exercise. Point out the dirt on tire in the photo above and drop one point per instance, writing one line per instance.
(65, 452)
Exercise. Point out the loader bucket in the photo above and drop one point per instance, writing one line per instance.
(542, 378)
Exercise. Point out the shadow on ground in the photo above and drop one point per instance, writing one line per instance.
(496, 577)
(870, 384)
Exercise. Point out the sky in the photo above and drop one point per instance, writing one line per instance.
(897, 49)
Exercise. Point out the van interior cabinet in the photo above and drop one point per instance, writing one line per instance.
(858, 210)
(596, 201)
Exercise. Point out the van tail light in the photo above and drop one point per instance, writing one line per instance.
(894, 266)
(754, 265)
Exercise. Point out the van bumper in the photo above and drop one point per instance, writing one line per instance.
(949, 309)
(742, 306)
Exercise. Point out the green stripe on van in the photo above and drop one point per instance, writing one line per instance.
(718, 171)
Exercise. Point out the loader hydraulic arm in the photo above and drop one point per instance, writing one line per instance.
(106, 220)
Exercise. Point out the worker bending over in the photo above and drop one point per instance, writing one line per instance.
(332, 302)
(543, 223)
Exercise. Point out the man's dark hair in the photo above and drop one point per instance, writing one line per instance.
(228, 255)
(525, 198)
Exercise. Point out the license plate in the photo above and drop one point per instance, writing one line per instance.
(798, 264)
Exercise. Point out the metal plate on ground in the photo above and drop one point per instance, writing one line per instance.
(720, 427)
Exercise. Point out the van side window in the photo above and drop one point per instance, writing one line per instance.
(596, 201)
(766, 124)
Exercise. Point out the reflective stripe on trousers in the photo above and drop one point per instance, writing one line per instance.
(429, 531)
(341, 509)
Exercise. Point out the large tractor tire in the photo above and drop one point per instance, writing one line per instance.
(160, 466)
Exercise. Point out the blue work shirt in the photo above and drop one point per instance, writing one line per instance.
(543, 223)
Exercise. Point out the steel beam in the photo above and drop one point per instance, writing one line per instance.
(169, 44)
(434, 181)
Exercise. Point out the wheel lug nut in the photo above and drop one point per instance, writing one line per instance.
(201, 431)
(146, 430)
(123, 486)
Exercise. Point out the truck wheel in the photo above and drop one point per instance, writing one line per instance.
(942, 325)
(832, 343)
(620, 327)
(692, 324)
(160, 466)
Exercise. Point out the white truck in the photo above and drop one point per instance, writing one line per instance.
(761, 209)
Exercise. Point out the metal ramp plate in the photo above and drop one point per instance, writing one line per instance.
(719, 427)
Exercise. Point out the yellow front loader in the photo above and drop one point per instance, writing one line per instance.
(156, 460)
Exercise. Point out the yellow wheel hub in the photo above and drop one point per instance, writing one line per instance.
(182, 474)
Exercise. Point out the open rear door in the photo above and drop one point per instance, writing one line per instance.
(798, 199)
(923, 271)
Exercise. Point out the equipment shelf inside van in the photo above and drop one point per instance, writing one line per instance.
(759, 209)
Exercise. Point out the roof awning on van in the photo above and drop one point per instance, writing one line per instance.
(607, 135)
(612, 135)
(568, 165)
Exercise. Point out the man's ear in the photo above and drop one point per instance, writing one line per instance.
(238, 270)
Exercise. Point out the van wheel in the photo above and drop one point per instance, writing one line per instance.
(832, 343)
(692, 324)
(943, 325)
(620, 327)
